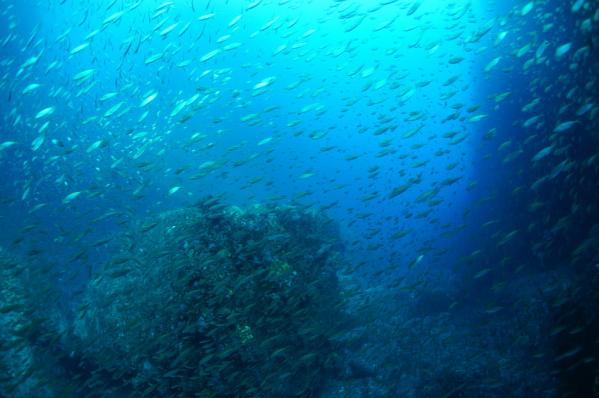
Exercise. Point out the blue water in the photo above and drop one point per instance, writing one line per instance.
(456, 152)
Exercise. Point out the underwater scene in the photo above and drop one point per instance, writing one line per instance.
(299, 198)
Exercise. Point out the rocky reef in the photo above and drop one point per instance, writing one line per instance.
(28, 367)
(215, 300)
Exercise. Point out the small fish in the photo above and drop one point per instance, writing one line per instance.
(31, 87)
(264, 141)
(563, 49)
(184, 63)
(209, 55)
(184, 29)
(207, 165)
(231, 46)
(531, 121)
(101, 242)
(416, 261)
(398, 190)
(234, 21)
(108, 96)
(542, 49)
(79, 48)
(412, 132)
(92, 34)
(168, 29)
(37, 143)
(7, 144)
(253, 4)
(482, 273)
(70, 197)
(153, 58)
(45, 112)
(151, 96)
(113, 109)
(543, 153)
(492, 64)
(527, 8)
(508, 237)
(564, 126)
(523, 50)
(96, 145)
(29, 63)
(119, 273)
(111, 4)
(84, 75)
(415, 6)
(568, 354)
(206, 16)
(264, 83)
(113, 18)
(10, 308)
(306, 175)
(478, 118)
(493, 309)
(577, 6)
(173, 190)
(500, 37)
(584, 109)
(148, 227)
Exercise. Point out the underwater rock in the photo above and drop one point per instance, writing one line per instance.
(219, 301)
(26, 370)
